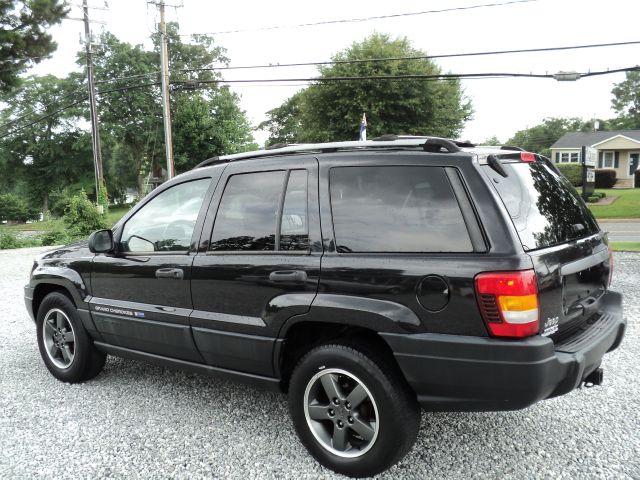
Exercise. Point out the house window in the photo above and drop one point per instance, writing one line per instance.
(607, 159)
(568, 157)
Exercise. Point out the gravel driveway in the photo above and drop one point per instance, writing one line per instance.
(140, 421)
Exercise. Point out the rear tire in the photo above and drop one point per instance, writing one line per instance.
(65, 346)
(358, 438)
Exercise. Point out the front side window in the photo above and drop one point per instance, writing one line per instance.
(252, 203)
(166, 223)
(396, 209)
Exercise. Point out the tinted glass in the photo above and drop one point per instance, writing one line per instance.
(166, 223)
(248, 211)
(294, 233)
(545, 209)
(396, 209)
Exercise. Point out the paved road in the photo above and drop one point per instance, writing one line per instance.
(622, 232)
(140, 421)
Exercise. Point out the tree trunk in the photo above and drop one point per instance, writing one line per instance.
(45, 204)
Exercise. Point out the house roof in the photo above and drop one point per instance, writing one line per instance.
(578, 139)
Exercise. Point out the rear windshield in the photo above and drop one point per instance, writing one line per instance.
(544, 207)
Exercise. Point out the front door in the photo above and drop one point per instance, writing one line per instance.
(141, 295)
(258, 264)
(633, 163)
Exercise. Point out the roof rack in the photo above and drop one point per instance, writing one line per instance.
(428, 144)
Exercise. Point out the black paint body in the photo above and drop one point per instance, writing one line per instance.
(226, 315)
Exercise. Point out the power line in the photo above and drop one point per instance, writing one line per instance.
(128, 87)
(43, 107)
(55, 112)
(44, 117)
(362, 19)
(370, 60)
(130, 77)
(419, 57)
(442, 76)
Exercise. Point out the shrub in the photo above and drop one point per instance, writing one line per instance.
(10, 239)
(81, 217)
(593, 199)
(59, 202)
(605, 178)
(572, 171)
(57, 236)
(14, 208)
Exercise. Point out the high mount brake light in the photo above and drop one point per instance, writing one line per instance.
(527, 157)
(508, 302)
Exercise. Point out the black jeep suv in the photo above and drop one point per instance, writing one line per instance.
(366, 279)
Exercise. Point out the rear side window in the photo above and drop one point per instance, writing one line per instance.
(396, 209)
(252, 204)
(545, 209)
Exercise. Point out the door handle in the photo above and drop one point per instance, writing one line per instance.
(288, 276)
(171, 273)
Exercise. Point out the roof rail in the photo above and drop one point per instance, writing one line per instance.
(209, 161)
(428, 144)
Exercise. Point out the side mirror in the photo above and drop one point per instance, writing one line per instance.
(101, 241)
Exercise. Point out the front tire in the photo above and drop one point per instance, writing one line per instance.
(352, 410)
(65, 347)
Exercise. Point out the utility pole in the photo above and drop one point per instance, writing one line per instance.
(164, 63)
(95, 131)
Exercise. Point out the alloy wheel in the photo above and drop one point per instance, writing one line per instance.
(341, 413)
(59, 338)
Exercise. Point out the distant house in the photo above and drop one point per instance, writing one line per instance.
(618, 150)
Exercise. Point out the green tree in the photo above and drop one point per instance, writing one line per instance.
(14, 208)
(626, 101)
(284, 122)
(23, 37)
(539, 138)
(207, 120)
(50, 152)
(493, 141)
(208, 125)
(332, 110)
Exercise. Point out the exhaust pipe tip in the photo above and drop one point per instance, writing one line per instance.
(594, 378)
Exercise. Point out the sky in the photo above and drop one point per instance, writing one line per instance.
(502, 106)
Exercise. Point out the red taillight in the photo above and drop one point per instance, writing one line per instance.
(508, 302)
(527, 157)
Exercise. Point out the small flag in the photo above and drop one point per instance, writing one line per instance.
(363, 128)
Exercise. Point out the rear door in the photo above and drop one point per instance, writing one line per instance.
(259, 261)
(563, 239)
(400, 239)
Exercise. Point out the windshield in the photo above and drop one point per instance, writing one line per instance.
(544, 207)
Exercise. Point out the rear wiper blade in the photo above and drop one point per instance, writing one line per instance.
(496, 165)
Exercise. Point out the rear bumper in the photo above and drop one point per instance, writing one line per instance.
(450, 372)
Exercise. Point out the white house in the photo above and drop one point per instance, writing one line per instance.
(618, 150)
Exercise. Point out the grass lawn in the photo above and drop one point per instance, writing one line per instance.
(625, 246)
(626, 206)
(114, 214)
